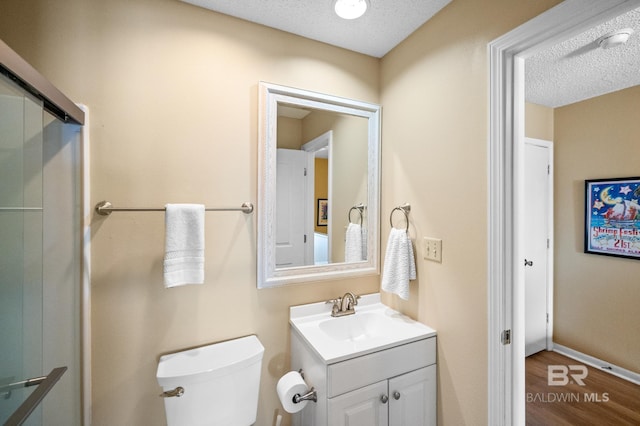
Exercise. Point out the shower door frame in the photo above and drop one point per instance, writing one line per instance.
(16, 69)
(27, 77)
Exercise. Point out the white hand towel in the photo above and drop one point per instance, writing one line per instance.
(399, 264)
(365, 237)
(353, 243)
(184, 244)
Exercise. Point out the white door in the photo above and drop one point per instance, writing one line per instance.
(412, 398)
(290, 208)
(538, 244)
(367, 406)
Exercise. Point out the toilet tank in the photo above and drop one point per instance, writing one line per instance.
(220, 381)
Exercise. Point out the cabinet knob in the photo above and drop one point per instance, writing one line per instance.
(396, 395)
(384, 399)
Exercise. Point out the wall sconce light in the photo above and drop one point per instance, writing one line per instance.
(350, 9)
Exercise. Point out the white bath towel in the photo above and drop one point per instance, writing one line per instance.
(364, 242)
(184, 244)
(353, 245)
(399, 264)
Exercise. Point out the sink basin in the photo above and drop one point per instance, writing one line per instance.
(373, 327)
(356, 327)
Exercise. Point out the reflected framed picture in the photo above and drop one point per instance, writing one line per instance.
(612, 217)
(323, 212)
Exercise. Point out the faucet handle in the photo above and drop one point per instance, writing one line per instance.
(336, 305)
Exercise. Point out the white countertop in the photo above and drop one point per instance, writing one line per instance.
(372, 328)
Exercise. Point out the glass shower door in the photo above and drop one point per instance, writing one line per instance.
(21, 242)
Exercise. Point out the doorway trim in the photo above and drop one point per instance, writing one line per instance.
(315, 145)
(506, 387)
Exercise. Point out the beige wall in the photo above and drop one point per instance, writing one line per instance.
(173, 97)
(289, 133)
(173, 93)
(538, 123)
(434, 156)
(596, 297)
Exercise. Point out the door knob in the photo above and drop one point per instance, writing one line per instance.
(396, 395)
(384, 399)
(528, 262)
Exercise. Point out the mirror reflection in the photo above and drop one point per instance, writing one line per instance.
(321, 174)
(319, 186)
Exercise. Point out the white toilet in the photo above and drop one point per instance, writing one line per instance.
(220, 384)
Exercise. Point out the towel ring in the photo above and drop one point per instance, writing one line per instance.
(360, 208)
(405, 208)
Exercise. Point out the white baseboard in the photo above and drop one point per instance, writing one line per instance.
(623, 373)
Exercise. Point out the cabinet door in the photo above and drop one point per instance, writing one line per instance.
(412, 398)
(361, 407)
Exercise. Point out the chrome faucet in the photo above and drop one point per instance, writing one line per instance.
(344, 305)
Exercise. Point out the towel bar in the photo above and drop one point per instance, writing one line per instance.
(105, 208)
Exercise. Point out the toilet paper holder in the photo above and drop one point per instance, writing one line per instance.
(309, 396)
(312, 395)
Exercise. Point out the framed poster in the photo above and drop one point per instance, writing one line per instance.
(612, 217)
(323, 212)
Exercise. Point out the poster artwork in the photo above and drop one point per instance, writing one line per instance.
(613, 217)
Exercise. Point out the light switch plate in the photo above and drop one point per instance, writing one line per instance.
(433, 249)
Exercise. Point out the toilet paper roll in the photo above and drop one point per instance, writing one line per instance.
(290, 385)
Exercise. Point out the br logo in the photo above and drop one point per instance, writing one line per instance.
(562, 375)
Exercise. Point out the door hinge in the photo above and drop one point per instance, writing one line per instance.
(548, 169)
(547, 318)
(305, 238)
(505, 338)
(305, 171)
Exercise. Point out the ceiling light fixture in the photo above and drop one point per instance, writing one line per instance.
(615, 38)
(350, 9)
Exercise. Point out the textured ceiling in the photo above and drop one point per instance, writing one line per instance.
(577, 69)
(569, 72)
(384, 26)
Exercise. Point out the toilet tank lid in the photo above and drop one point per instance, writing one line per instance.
(209, 361)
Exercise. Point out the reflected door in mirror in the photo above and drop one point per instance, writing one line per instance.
(290, 208)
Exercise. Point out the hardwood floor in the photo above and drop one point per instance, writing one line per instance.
(603, 400)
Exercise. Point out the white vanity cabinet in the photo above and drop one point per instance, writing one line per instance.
(407, 400)
(394, 386)
(412, 398)
(360, 407)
